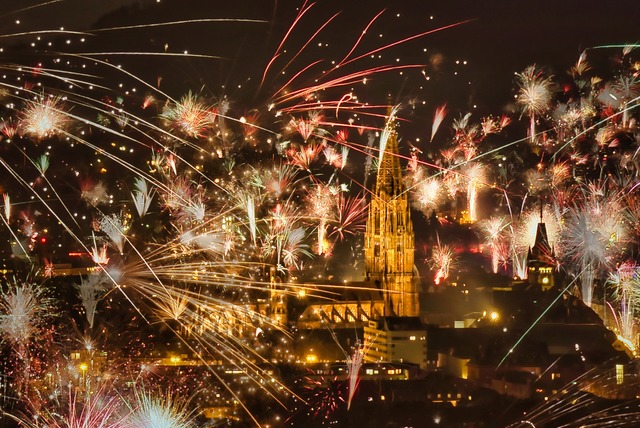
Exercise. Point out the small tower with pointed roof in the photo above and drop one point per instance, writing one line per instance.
(277, 299)
(389, 238)
(540, 266)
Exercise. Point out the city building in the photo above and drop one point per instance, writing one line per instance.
(396, 340)
(354, 309)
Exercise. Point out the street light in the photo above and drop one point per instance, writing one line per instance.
(83, 368)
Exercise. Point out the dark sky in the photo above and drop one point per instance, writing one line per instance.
(501, 37)
(513, 30)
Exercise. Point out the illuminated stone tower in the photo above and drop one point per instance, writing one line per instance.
(389, 239)
(277, 299)
(540, 264)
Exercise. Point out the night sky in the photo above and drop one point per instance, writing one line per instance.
(499, 38)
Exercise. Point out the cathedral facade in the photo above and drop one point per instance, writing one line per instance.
(389, 237)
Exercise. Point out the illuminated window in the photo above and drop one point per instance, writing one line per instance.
(619, 374)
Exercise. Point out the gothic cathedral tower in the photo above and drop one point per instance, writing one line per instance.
(389, 239)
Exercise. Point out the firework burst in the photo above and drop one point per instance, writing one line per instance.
(534, 96)
(189, 116)
(44, 117)
(159, 411)
(494, 232)
(442, 260)
(594, 234)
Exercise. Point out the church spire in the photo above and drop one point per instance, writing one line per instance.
(389, 178)
(389, 239)
(540, 258)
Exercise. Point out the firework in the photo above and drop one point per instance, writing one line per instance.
(351, 214)
(189, 116)
(94, 193)
(626, 89)
(353, 364)
(305, 156)
(115, 228)
(42, 164)
(534, 96)
(427, 194)
(494, 230)
(626, 287)
(44, 117)
(7, 206)
(159, 412)
(81, 412)
(593, 235)
(438, 117)
(142, 196)
(442, 260)
(91, 290)
(24, 310)
(323, 396)
(475, 174)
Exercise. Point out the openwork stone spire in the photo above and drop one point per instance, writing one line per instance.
(389, 238)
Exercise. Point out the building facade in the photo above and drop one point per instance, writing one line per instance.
(389, 238)
(396, 340)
